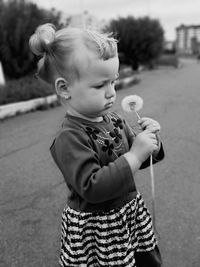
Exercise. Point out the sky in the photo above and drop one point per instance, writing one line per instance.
(170, 13)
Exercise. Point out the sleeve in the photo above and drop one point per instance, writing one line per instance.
(80, 166)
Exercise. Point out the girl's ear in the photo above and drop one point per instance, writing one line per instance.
(61, 86)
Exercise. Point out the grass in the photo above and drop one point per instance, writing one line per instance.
(23, 89)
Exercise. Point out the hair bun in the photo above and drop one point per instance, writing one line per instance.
(40, 40)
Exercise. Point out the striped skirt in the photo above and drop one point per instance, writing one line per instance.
(106, 238)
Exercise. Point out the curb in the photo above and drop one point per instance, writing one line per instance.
(14, 109)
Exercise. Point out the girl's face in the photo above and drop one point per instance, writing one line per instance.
(93, 94)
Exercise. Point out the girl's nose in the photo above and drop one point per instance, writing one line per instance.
(110, 91)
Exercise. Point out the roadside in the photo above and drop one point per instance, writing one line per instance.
(22, 107)
(43, 103)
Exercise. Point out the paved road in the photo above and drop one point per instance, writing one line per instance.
(33, 194)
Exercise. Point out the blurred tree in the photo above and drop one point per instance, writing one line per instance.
(19, 20)
(140, 40)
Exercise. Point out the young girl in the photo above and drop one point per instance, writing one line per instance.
(105, 222)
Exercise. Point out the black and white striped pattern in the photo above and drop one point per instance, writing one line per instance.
(106, 238)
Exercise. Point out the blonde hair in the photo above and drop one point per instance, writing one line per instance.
(57, 49)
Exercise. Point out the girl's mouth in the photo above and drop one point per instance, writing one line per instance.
(109, 105)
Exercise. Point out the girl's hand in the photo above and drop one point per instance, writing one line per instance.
(144, 145)
(154, 127)
(150, 124)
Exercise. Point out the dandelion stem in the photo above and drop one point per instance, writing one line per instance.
(152, 183)
(152, 190)
(137, 115)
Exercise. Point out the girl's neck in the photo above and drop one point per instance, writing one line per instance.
(79, 115)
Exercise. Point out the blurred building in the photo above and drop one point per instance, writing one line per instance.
(85, 20)
(188, 39)
(169, 47)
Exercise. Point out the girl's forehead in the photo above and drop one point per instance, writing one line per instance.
(94, 67)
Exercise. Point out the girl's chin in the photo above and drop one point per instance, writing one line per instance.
(98, 115)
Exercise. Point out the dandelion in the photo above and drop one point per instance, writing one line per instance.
(132, 103)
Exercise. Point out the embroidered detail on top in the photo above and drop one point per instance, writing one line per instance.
(110, 140)
(116, 135)
(92, 132)
(108, 147)
(117, 123)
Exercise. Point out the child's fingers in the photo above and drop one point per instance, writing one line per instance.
(144, 124)
(147, 123)
(153, 129)
(150, 134)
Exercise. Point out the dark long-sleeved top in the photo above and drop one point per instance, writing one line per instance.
(89, 155)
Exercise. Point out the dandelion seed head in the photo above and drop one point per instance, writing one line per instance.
(132, 103)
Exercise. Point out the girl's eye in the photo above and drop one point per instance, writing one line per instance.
(99, 86)
(104, 84)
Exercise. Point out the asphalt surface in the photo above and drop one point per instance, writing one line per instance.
(33, 193)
